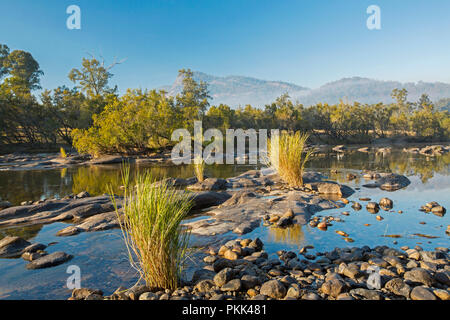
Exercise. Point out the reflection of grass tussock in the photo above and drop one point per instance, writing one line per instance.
(199, 169)
(291, 235)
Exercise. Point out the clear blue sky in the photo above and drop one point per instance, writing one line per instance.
(305, 42)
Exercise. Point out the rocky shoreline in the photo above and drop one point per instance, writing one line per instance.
(46, 161)
(242, 270)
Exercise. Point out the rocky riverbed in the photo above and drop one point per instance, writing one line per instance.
(241, 269)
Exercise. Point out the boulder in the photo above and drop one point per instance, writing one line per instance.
(232, 285)
(12, 246)
(208, 199)
(389, 182)
(223, 276)
(330, 187)
(83, 293)
(419, 275)
(422, 293)
(334, 287)
(274, 289)
(50, 260)
(386, 203)
(209, 184)
(398, 287)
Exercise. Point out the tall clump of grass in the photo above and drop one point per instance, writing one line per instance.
(62, 153)
(199, 168)
(151, 226)
(288, 155)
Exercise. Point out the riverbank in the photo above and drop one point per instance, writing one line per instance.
(47, 161)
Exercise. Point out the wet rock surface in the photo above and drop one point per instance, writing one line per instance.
(12, 246)
(389, 182)
(50, 260)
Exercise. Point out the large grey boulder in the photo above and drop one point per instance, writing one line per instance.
(209, 184)
(50, 260)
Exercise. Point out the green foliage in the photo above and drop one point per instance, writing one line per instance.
(130, 124)
(93, 77)
(193, 100)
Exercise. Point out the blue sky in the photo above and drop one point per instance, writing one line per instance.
(305, 42)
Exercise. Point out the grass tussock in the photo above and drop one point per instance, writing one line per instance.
(199, 169)
(151, 226)
(62, 153)
(288, 155)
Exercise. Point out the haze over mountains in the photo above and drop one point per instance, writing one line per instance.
(239, 90)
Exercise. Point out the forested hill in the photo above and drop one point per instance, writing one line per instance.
(239, 90)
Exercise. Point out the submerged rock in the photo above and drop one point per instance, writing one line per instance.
(50, 260)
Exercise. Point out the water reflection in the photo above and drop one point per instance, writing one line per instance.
(292, 235)
(395, 161)
(26, 233)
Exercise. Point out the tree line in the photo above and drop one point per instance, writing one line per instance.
(95, 119)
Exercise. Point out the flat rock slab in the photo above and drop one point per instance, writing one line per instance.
(99, 222)
(243, 212)
(257, 178)
(50, 260)
(55, 210)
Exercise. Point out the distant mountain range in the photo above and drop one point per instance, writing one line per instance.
(239, 90)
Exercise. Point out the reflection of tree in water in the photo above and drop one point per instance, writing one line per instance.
(26, 233)
(424, 167)
(18, 186)
(227, 171)
(395, 161)
(291, 235)
(97, 179)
